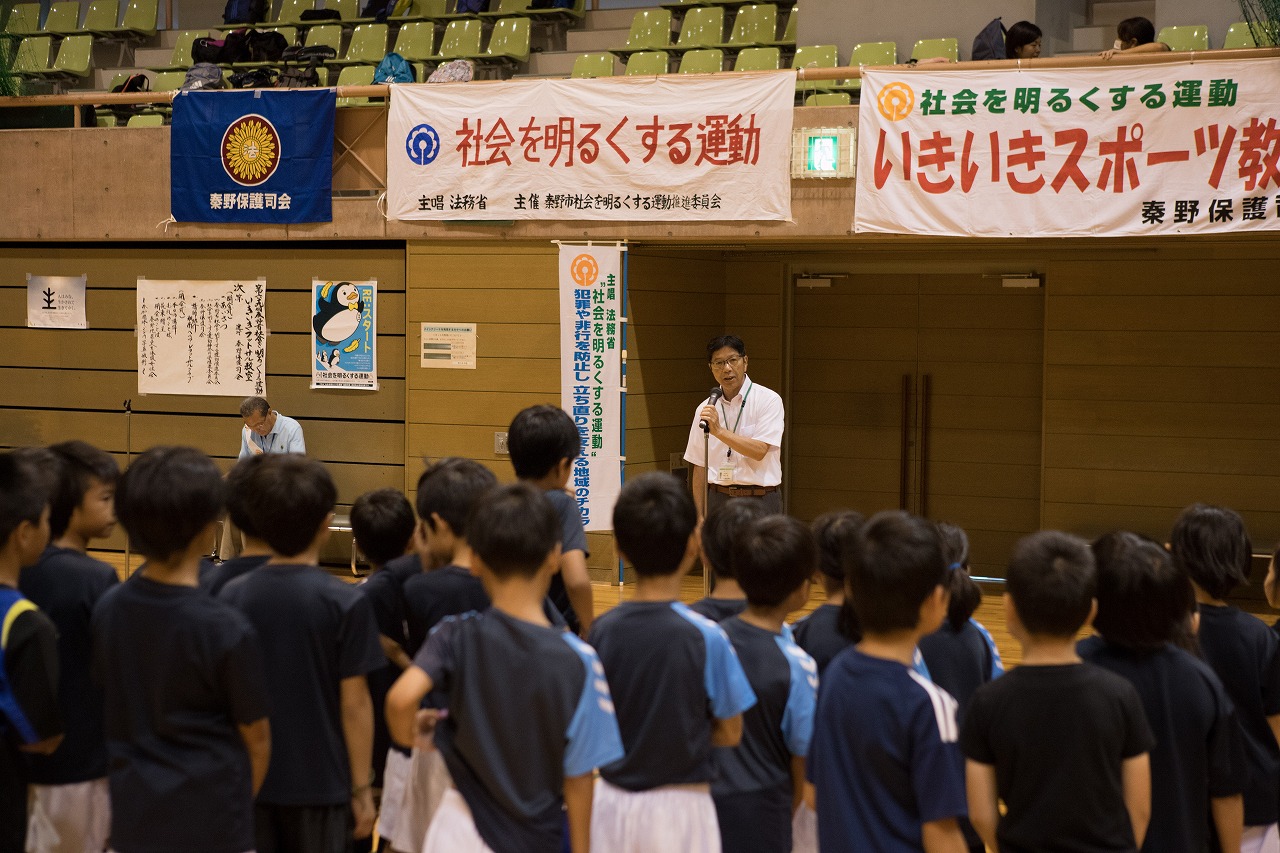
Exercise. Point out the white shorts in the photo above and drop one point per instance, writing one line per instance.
(674, 817)
(394, 773)
(1260, 839)
(453, 830)
(73, 818)
(804, 830)
(425, 783)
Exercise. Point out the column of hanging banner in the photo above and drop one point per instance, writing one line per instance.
(592, 383)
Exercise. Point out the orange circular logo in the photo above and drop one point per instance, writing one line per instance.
(585, 270)
(896, 101)
(250, 150)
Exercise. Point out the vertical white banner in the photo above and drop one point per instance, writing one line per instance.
(591, 374)
(344, 334)
(202, 337)
(56, 301)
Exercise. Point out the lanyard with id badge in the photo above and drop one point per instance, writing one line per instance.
(724, 475)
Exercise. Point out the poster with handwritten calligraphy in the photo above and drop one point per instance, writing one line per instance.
(202, 337)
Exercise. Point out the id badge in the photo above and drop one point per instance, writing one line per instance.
(724, 475)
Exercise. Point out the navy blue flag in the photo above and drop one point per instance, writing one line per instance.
(253, 156)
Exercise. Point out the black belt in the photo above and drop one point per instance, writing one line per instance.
(744, 491)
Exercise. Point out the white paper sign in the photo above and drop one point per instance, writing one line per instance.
(591, 374)
(56, 301)
(449, 345)
(202, 337)
(659, 149)
(1145, 150)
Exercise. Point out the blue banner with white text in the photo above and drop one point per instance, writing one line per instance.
(253, 156)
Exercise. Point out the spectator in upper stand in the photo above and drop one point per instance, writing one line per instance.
(1022, 41)
(1135, 35)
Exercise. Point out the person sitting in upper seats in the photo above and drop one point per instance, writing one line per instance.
(1135, 35)
(1022, 41)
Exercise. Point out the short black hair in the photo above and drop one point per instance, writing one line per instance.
(24, 492)
(774, 555)
(1139, 29)
(538, 438)
(1019, 35)
(721, 529)
(289, 496)
(166, 497)
(652, 522)
(382, 524)
(513, 529)
(835, 532)
(254, 406)
(1144, 599)
(450, 488)
(1052, 580)
(1211, 545)
(80, 464)
(719, 342)
(239, 494)
(895, 564)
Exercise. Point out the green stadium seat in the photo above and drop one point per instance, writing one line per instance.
(758, 59)
(789, 34)
(647, 63)
(349, 10)
(368, 46)
(461, 40)
(355, 75)
(1239, 35)
(1194, 37)
(101, 17)
(63, 18)
(416, 41)
(168, 81)
(828, 99)
(140, 18)
(507, 8)
(103, 119)
(508, 43)
(147, 120)
(703, 26)
(326, 35)
(181, 56)
(589, 65)
(291, 11)
(707, 60)
(427, 10)
(32, 58)
(650, 30)
(755, 25)
(24, 20)
(948, 48)
(874, 53)
(74, 60)
(576, 12)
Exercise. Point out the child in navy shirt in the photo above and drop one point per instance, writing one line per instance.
(760, 782)
(831, 627)
(186, 704)
(253, 550)
(70, 806)
(1211, 545)
(1063, 743)
(382, 528)
(30, 722)
(677, 683)
(543, 442)
(720, 530)
(529, 716)
(884, 763)
(1197, 765)
(319, 643)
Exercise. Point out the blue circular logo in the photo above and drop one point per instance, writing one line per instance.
(422, 144)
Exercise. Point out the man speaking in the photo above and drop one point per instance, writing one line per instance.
(740, 425)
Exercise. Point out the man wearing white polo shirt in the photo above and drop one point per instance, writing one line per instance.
(743, 434)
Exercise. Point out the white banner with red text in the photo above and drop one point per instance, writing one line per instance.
(612, 149)
(591, 337)
(1177, 148)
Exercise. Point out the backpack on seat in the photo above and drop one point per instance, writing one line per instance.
(202, 75)
(457, 71)
(989, 43)
(244, 12)
(133, 83)
(394, 68)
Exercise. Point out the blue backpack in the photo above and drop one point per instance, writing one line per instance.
(394, 68)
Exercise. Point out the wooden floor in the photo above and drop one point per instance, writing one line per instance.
(990, 613)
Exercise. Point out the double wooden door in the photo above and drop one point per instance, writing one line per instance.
(920, 392)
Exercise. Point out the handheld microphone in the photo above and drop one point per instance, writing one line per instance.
(715, 395)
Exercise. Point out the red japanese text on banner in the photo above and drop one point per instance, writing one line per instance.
(624, 149)
(1179, 148)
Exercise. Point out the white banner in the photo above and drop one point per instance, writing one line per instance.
(591, 374)
(624, 148)
(202, 337)
(56, 301)
(344, 334)
(1179, 148)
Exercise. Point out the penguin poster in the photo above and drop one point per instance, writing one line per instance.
(344, 334)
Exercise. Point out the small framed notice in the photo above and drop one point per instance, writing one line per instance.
(449, 345)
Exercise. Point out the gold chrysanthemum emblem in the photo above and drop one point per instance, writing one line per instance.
(250, 150)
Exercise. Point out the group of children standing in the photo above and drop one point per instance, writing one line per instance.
(256, 704)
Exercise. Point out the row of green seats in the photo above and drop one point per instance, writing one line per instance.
(755, 25)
